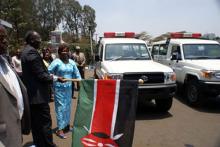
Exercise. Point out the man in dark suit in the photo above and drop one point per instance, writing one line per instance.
(38, 81)
(14, 105)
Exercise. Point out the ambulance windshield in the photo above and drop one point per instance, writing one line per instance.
(126, 51)
(201, 51)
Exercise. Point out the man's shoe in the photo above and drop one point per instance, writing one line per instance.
(60, 134)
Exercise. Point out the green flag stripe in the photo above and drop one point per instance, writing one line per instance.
(85, 102)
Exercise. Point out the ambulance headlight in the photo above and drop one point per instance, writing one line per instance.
(113, 76)
(169, 77)
(208, 74)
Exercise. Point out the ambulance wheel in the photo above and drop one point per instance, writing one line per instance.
(194, 96)
(95, 75)
(164, 105)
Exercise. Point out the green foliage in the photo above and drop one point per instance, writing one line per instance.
(88, 23)
(46, 15)
(11, 11)
(72, 17)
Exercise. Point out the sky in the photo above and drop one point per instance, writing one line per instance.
(156, 17)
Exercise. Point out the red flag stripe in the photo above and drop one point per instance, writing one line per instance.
(105, 100)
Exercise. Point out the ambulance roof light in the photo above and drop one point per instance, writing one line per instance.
(119, 34)
(185, 35)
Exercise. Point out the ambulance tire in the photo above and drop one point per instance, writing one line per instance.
(95, 75)
(194, 95)
(164, 105)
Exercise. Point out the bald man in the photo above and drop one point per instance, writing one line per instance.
(38, 81)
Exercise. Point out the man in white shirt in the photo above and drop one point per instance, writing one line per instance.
(14, 105)
(80, 59)
(16, 62)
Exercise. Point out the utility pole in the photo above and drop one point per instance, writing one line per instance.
(96, 37)
(90, 35)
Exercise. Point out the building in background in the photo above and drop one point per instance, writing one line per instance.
(55, 41)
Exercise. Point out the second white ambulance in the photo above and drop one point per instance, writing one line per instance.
(196, 63)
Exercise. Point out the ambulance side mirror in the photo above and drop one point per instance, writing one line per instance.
(97, 58)
(176, 56)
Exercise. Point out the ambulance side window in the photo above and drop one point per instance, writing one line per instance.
(155, 51)
(163, 49)
(176, 53)
(101, 52)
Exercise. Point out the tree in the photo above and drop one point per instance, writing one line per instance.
(41, 16)
(72, 16)
(11, 11)
(88, 21)
(144, 36)
(48, 15)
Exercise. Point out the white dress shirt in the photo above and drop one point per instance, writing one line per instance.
(10, 77)
(17, 64)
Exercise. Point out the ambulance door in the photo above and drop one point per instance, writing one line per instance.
(98, 68)
(162, 54)
(175, 61)
(155, 52)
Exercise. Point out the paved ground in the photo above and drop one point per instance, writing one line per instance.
(57, 140)
(183, 126)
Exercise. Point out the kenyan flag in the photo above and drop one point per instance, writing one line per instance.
(105, 115)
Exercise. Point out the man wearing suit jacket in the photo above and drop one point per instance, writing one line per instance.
(14, 105)
(38, 81)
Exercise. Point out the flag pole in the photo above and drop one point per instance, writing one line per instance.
(140, 81)
(72, 80)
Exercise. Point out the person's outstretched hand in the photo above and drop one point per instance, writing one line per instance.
(61, 79)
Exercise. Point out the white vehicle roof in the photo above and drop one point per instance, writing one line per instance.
(121, 40)
(188, 41)
(193, 41)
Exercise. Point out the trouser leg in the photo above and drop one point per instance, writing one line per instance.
(81, 71)
(41, 125)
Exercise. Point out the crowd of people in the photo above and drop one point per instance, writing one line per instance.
(28, 80)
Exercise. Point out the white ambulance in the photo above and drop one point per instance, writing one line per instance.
(196, 63)
(121, 56)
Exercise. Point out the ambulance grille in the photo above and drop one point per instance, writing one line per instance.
(149, 78)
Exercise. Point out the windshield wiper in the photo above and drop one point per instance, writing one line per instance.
(140, 58)
(216, 57)
(116, 58)
(202, 57)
